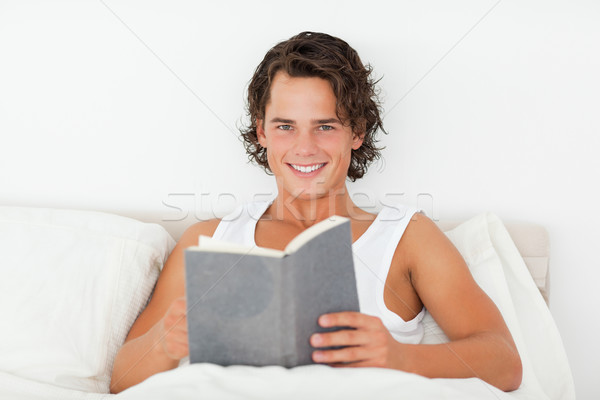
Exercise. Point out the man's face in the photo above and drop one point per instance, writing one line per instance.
(308, 148)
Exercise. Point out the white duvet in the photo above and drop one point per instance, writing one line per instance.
(497, 267)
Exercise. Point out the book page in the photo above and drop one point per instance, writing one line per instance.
(206, 243)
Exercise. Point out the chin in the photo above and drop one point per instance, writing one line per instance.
(307, 194)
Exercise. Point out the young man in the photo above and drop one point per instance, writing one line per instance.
(313, 115)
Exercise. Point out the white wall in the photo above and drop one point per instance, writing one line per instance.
(131, 107)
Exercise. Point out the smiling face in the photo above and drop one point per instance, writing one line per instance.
(308, 148)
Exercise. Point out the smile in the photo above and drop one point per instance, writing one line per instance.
(307, 168)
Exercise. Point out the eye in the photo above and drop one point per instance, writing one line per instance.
(285, 127)
(326, 127)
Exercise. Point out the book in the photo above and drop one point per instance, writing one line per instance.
(259, 306)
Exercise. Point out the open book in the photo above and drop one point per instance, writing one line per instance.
(258, 306)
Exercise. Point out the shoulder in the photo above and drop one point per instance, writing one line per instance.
(420, 236)
(204, 228)
(423, 248)
(439, 274)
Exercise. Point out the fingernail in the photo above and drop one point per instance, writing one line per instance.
(316, 339)
(318, 356)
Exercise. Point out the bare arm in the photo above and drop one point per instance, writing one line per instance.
(157, 340)
(480, 342)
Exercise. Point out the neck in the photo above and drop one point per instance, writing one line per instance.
(305, 212)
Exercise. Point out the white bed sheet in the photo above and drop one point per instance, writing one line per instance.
(13, 387)
(209, 381)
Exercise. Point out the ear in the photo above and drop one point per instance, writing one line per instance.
(260, 133)
(357, 141)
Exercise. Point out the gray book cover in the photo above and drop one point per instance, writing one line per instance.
(246, 309)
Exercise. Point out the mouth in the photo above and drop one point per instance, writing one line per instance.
(306, 170)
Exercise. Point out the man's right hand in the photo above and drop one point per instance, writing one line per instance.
(158, 339)
(172, 330)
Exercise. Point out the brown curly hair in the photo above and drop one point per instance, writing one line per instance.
(312, 54)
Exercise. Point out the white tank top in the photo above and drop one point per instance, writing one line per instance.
(372, 253)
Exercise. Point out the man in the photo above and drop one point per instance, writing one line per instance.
(313, 114)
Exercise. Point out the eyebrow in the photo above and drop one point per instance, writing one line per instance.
(314, 121)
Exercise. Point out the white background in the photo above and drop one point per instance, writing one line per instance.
(132, 107)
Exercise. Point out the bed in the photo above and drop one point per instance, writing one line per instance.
(74, 281)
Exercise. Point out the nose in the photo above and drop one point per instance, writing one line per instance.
(305, 144)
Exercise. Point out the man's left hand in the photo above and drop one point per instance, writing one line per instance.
(369, 344)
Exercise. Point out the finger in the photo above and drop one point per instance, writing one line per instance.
(348, 318)
(344, 337)
(181, 322)
(175, 329)
(178, 306)
(179, 330)
(345, 355)
(176, 318)
(180, 344)
(357, 364)
(178, 337)
(176, 350)
(179, 311)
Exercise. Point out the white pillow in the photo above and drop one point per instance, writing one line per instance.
(500, 271)
(72, 284)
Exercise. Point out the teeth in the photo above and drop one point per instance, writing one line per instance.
(307, 169)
